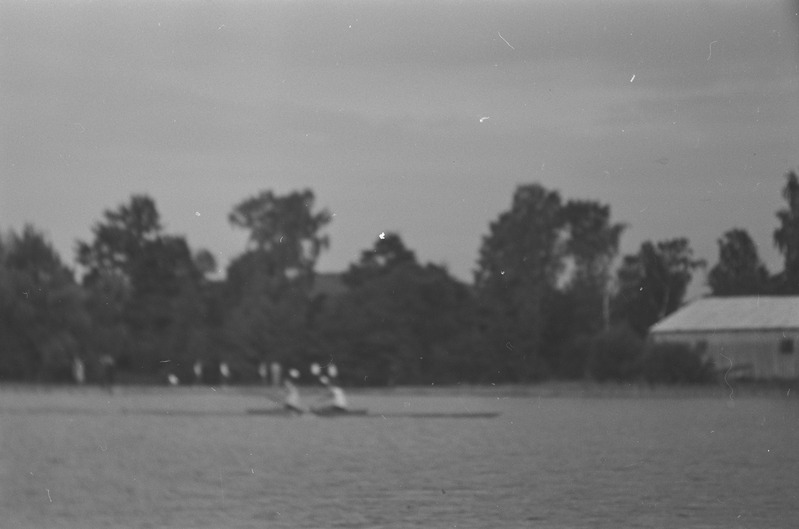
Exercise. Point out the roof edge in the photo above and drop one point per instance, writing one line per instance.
(723, 329)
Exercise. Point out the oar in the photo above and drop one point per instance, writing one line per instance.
(279, 401)
(276, 400)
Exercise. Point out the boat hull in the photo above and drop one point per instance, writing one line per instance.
(281, 412)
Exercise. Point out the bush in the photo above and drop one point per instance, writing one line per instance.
(675, 363)
(572, 358)
(615, 355)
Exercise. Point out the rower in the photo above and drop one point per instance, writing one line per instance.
(292, 401)
(337, 402)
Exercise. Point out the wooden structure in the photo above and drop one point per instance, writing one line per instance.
(752, 337)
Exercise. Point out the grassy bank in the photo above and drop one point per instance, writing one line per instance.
(590, 389)
(550, 389)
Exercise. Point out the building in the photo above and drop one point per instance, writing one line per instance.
(753, 337)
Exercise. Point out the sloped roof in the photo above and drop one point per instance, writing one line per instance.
(731, 314)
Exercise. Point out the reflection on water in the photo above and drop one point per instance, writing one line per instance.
(74, 459)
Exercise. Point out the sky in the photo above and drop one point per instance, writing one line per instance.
(415, 117)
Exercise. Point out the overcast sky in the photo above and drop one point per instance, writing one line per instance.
(414, 117)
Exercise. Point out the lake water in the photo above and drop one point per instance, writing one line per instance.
(81, 458)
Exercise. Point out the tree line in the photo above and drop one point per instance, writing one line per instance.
(550, 298)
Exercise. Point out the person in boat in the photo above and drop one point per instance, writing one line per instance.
(291, 400)
(337, 400)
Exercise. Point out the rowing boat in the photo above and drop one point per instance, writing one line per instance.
(285, 412)
(269, 412)
(282, 412)
(443, 415)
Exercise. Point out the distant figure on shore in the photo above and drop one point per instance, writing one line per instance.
(224, 370)
(292, 401)
(316, 370)
(275, 373)
(198, 372)
(332, 371)
(78, 371)
(107, 370)
(263, 372)
(173, 379)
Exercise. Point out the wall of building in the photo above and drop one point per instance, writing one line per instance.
(765, 354)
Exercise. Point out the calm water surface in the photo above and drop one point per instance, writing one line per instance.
(85, 459)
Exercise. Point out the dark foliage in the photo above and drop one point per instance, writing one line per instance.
(43, 321)
(739, 271)
(653, 282)
(786, 237)
(145, 292)
(541, 305)
(676, 363)
(573, 358)
(269, 307)
(402, 322)
(615, 355)
(520, 260)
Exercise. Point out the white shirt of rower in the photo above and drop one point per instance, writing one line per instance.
(292, 397)
(338, 399)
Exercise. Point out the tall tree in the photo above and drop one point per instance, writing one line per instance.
(269, 285)
(161, 271)
(579, 308)
(43, 321)
(149, 276)
(388, 253)
(786, 236)
(739, 271)
(653, 282)
(401, 322)
(519, 263)
(120, 239)
(285, 231)
(592, 244)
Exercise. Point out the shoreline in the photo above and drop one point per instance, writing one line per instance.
(553, 389)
